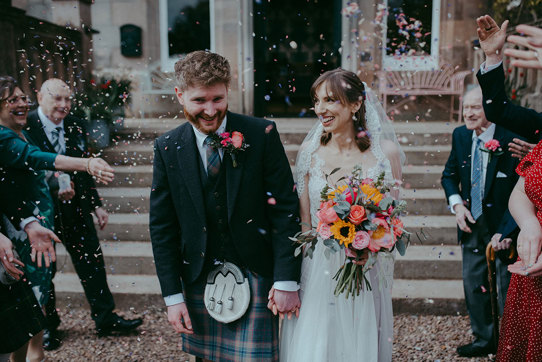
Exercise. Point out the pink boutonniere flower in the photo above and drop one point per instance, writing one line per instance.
(231, 143)
(493, 147)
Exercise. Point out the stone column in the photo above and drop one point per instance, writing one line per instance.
(232, 38)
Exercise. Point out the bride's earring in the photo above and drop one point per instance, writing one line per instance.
(354, 118)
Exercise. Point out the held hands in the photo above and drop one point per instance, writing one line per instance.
(530, 57)
(178, 317)
(100, 169)
(462, 214)
(103, 217)
(284, 303)
(491, 38)
(40, 240)
(8, 260)
(519, 148)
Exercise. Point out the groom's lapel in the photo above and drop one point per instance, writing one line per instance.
(233, 174)
(188, 157)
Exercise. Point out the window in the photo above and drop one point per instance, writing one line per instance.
(411, 39)
(188, 26)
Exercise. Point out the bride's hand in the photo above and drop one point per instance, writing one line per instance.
(272, 306)
(100, 169)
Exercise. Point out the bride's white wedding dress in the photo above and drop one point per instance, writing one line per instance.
(331, 328)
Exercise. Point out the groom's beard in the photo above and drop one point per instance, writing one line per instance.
(201, 121)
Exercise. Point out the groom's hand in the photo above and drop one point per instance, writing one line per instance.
(178, 317)
(286, 302)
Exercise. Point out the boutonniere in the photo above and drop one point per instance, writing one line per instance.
(231, 143)
(493, 147)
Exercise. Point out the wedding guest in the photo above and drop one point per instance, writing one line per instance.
(497, 106)
(478, 185)
(521, 336)
(20, 172)
(532, 40)
(54, 130)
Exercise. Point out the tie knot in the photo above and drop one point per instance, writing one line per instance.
(208, 140)
(478, 140)
(58, 130)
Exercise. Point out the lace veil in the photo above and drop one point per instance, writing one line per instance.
(379, 128)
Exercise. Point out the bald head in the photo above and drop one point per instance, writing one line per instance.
(473, 111)
(54, 99)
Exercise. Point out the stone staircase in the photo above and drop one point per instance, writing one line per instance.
(427, 278)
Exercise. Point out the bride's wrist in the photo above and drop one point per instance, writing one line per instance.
(89, 160)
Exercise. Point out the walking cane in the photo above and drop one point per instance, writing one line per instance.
(492, 278)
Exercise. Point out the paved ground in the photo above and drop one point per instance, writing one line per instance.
(417, 338)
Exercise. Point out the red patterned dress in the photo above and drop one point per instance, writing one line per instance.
(521, 331)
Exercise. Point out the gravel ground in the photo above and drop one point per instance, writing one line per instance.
(417, 338)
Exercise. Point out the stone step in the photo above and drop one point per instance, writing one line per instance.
(430, 296)
(414, 176)
(136, 200)
(426, 230)
(294, 130)
(136, 258)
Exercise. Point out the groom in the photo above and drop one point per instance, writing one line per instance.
(205, 209)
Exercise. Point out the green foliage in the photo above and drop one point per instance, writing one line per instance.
(102, 99)
(527, 11)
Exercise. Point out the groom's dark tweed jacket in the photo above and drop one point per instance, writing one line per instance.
(258, 228)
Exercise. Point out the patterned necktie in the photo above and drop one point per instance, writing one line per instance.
(55, 139)
(213, 159)
(476, 182)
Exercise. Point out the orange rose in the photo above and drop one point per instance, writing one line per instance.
(237, 139)
(357, 214)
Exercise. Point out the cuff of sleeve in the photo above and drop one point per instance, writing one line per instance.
(454, 200)
(286, 286)
(27, 221)
(174, 299)
(484, 70)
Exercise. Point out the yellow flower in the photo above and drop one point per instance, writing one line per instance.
(344, 232)
(372, 193)
(337, 191)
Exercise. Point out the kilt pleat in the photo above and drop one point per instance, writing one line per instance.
(253, 337)
(20, 316)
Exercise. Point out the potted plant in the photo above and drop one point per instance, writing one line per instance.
(102, 103)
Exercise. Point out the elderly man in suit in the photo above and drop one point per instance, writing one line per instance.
(54, 130)
(478, 181)
(210, 205)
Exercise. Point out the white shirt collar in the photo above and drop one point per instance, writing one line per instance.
(487, 135)
(47, 123)
(200, 136)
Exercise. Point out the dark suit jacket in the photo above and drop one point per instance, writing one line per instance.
(499, 110)
(259, 229)
(86, 196)
(456, 179)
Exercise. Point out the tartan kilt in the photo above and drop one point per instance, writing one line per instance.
(20, 316)
(253, 337)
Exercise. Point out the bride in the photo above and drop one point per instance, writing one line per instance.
(352, 130)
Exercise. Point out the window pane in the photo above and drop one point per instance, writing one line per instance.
(188, 26)
(409, 27)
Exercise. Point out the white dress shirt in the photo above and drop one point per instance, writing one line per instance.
(49, 126)
(289, 286)
(485, 136)
(484, 69)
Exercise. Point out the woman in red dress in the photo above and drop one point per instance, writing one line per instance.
(521, 330)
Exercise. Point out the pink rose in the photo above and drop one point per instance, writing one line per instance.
(327, 214)
(357, 214)
(361, 240)
(325, 231)
(225, 135)
(492, 145)
(237, 139)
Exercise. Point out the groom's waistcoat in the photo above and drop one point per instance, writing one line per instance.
(219, 241)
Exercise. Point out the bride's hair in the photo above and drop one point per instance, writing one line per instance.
(345, 86)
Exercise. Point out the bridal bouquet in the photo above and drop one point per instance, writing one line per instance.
(362, 218)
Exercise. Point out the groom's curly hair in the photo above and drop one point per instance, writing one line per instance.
(202, 68)
(345, 87)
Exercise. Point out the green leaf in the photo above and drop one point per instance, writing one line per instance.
(401, 247)
(334, 170)
(332, 244)
(368, 225)
(327, 253)
(298, 251)
(385, 203)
